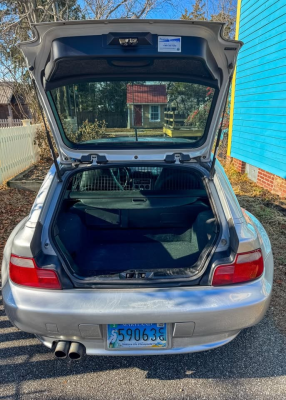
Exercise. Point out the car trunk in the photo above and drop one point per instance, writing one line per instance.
(135, 222)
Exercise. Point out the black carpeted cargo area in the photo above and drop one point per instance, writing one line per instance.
(97, 248)
(107, 224)
(117, 251)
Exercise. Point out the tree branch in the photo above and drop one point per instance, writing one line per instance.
(115, 8)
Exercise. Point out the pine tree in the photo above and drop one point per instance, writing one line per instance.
(198, 12)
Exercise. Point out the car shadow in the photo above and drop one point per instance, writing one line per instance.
(257, 352)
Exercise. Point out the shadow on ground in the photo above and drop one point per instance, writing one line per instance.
(257, 352)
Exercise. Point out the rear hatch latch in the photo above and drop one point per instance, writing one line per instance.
(136, 275)
(93, 159)
(177, 158)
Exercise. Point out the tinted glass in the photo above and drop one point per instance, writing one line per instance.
(119, 112)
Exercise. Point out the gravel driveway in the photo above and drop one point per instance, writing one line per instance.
(253, 366)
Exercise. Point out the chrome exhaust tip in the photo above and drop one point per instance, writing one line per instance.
(62, 349)
(76, 351)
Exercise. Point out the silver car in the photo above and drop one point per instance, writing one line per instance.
(136, 244)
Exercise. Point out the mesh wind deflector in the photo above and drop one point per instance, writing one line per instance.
(134, 179)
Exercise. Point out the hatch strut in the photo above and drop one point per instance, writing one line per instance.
(49, 139)
(219, 134)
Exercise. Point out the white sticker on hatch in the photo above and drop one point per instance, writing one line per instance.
(169, 44)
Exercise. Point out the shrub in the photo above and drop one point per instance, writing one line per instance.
(42, 142)
(88, 131)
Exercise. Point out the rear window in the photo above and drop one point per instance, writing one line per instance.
(138, 113)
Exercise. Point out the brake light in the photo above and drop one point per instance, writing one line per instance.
(246, 267)
(24, 271)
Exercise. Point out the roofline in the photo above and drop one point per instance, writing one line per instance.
(130, 20)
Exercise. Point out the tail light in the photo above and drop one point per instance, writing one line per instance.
(246, 267)
(24, 271)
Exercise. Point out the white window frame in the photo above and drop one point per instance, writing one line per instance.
(150, 110)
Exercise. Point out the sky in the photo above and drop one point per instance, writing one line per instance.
(171, 12)
(167, 11)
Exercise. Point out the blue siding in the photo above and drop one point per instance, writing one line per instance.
(259, 120)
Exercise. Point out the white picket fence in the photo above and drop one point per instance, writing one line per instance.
(5, 123)
(17, 150)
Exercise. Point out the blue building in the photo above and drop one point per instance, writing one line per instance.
(257, 134)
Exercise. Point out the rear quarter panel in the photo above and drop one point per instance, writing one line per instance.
(19, 241)
(251, 233)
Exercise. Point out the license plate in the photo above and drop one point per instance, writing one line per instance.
(120, 336)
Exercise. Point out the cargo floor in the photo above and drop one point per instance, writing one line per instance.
(167, 249)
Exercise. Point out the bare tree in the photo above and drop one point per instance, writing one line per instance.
(105, 9)
(197, 13)
(224, 11)
(18, 16)
(16, 19)
(214, 10)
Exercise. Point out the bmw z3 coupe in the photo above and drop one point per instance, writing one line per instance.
(136, 243)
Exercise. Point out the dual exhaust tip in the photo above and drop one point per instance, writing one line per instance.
(74, 350)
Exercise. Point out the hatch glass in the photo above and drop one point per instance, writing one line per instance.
(133, 113)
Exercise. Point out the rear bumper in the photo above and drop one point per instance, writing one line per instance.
(216, 314)
(179, 345)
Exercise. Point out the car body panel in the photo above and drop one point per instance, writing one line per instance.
(179, 345)
(51, 191)
(217, 312)
(224, 52)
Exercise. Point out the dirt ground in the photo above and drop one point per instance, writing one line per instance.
(39, 171)
(15, 205)
(269, 209)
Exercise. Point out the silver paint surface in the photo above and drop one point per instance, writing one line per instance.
(218, 313)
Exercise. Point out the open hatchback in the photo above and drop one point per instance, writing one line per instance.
(134, 112)
(136, 243)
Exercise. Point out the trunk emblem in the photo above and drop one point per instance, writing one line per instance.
(127, 42)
